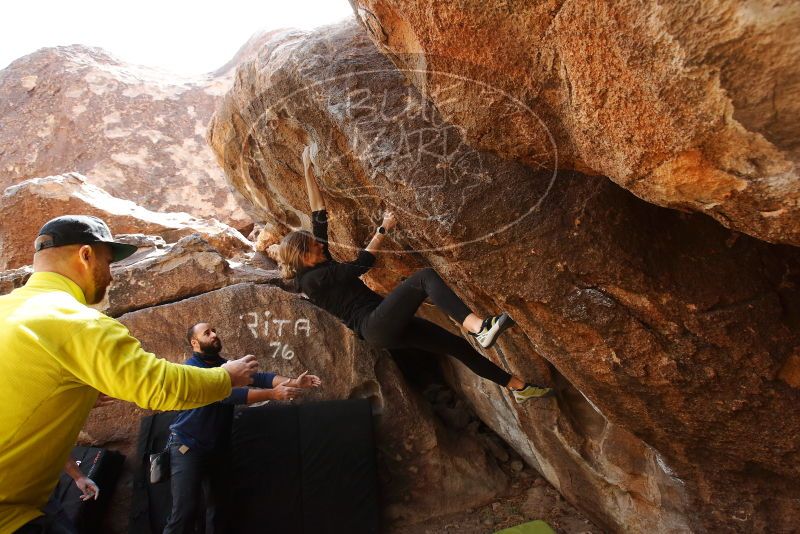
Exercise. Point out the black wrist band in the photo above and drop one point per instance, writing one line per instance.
(381, 230)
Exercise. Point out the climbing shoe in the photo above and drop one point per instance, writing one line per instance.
(492, 328)
(531, 391)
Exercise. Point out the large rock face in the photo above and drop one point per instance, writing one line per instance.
(674, 342)
(425, 469)
(692, 105)
(41, 199)
(138, 131)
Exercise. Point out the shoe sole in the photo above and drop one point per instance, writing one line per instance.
(503, 323)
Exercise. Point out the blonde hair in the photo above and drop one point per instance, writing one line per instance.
(294, 247)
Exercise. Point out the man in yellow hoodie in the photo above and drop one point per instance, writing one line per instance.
(58, 353)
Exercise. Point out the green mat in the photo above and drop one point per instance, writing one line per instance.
(534, 527)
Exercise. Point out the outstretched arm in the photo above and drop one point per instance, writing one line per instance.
(388, 223)
(284, 388)
(279, 392)
(305, 380)
(103, 354)
(366, 257)
(314, 196)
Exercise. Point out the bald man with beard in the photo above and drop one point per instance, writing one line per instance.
(199, 443)
(59, 353)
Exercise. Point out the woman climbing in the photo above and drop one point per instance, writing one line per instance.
(389, 322)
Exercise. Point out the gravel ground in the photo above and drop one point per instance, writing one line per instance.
(530, 497)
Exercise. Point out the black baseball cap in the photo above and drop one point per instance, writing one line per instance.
(80, 230)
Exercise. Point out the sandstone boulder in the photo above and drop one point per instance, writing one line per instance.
(44, 198)
(691, 105)
(185, 269)
(425, 469)
(138, 131)
(669, 337)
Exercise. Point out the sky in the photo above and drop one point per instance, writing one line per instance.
(177, 35)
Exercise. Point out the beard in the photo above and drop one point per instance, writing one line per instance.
(212, 348)
(101, 276)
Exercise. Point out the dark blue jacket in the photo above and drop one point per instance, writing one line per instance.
(209, 427)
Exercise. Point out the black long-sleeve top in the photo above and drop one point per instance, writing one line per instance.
(335, 286)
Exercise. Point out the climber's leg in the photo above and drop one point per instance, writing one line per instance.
(422, 334)
(392, 316)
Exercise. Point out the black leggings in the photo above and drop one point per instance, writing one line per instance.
(392, 324)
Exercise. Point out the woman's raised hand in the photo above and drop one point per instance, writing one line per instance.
(314, 196)
(389, 220)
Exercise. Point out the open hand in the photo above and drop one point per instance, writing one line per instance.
(284, 391)
(389, 221)
(306, 380)
(88, 487)
(306, 157)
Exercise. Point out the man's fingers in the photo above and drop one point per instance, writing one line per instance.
(290, 392)
(91, 488)
(90, 492)
(241, 370)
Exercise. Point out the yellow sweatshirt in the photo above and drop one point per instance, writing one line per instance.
(55, 354)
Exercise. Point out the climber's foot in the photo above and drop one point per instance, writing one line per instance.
(532, 391)
(492, 328)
